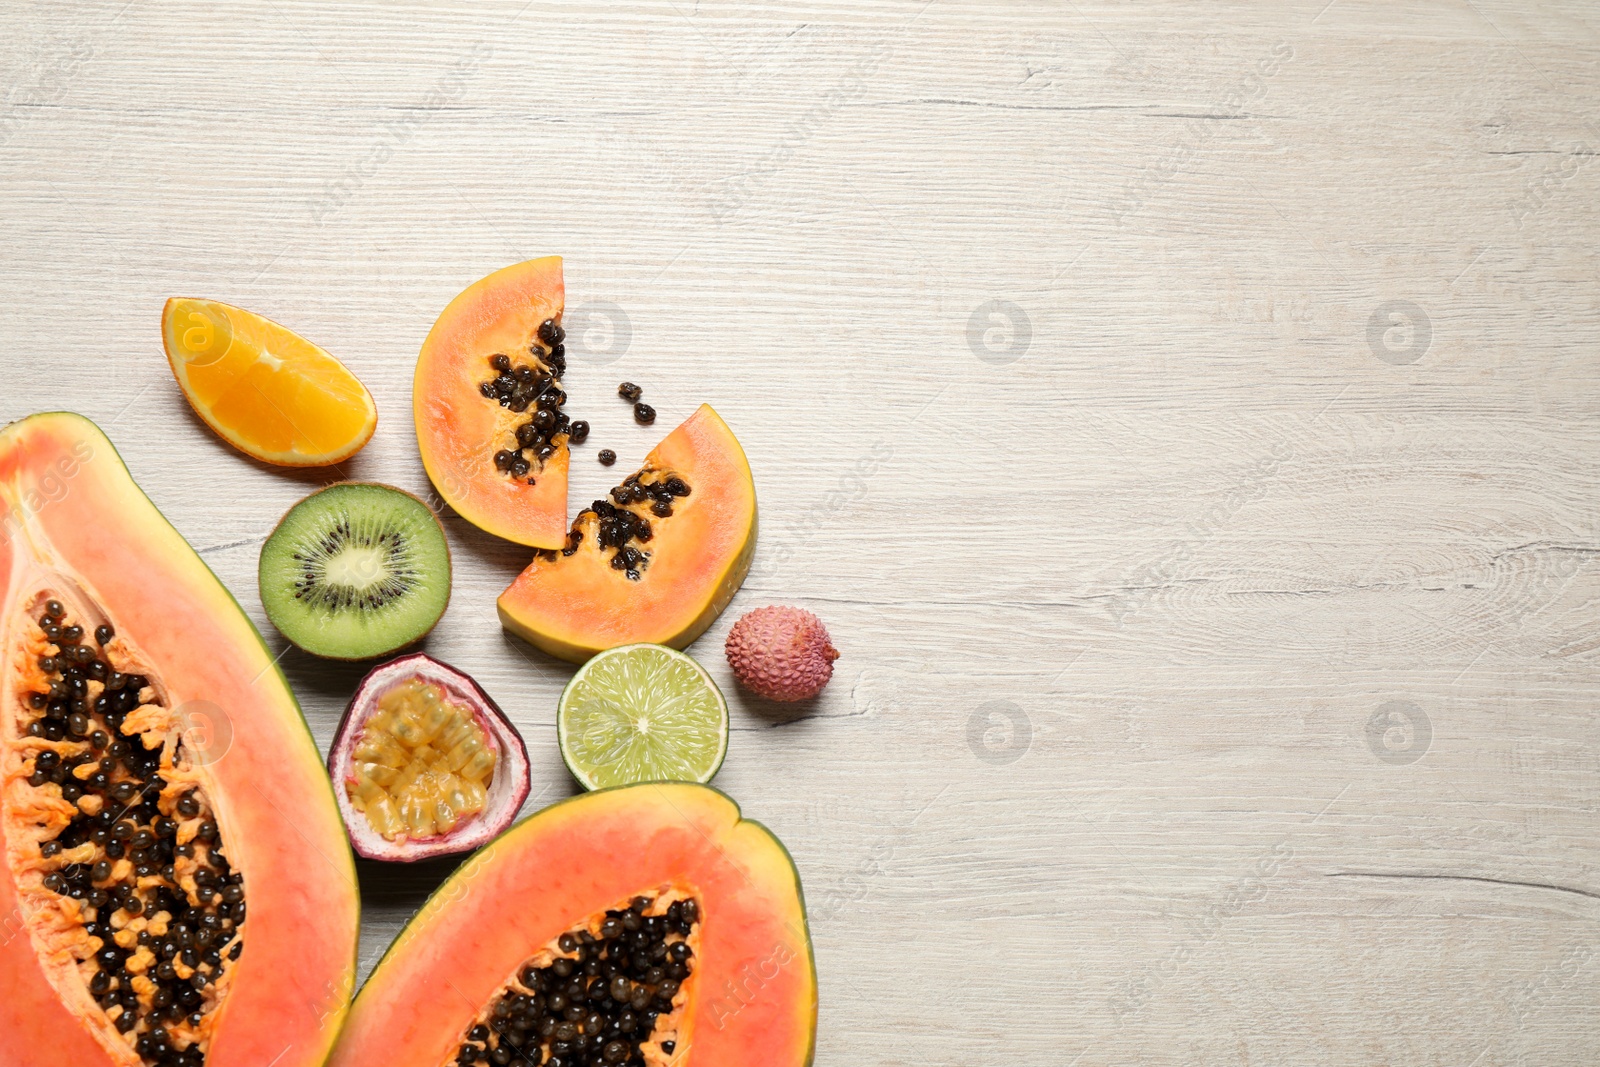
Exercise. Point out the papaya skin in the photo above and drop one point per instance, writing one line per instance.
(459, 429)
(72, 519)
(575, 606)
(503, 903)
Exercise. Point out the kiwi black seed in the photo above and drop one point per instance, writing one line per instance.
(356, 570)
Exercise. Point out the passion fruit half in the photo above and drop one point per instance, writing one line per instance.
(425, 763)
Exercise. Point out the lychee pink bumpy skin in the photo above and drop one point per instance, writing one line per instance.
(781, 653)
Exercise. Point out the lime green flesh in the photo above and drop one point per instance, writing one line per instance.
(642, 713)
(355, 571)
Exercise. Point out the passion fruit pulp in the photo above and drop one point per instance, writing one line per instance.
(425, 763)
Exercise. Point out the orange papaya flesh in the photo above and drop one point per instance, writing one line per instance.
(124, 657)
(544, 891)
(688, 556)
(491, 363)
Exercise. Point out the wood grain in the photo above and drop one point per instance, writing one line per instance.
(1183, 415)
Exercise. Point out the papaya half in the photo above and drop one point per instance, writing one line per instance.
(488, 401)
(657, 562)
(158, 780)
(638, 926)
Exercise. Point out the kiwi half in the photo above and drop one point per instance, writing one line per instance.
(356, 570)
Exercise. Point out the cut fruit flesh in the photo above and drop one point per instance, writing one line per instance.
(233, 752)
(125, 838)
(424, 763)
(356, 570)
(642, 713)
(632, 1009)
(750, 997)
(460, 429)
(265, 389)
(576, 602)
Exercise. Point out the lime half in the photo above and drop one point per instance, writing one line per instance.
(642, 713)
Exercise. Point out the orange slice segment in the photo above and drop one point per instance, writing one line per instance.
(265, 389)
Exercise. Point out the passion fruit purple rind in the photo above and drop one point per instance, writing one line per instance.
(425, 763)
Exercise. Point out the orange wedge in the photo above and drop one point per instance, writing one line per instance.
(268, 391)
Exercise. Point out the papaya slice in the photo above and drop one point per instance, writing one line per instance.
(641, 925)
(488, 404)
(656, 563)
(158, 781)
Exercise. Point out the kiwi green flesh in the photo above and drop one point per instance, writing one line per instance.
(356, 570)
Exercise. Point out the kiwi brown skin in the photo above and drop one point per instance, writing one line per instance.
(449, 558)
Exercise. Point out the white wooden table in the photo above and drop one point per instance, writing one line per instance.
(1183, 416)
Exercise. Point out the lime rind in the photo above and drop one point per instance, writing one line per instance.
(642, 713)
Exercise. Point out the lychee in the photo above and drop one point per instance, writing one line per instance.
(781, 653)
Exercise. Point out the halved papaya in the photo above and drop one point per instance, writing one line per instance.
(158, 778)
(641, 925)
(656, 563)
(487, 399)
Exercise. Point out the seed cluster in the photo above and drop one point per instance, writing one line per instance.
(156, 948)
(618, 525)
(538, 386)
(597, 1004)
(393, 573)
